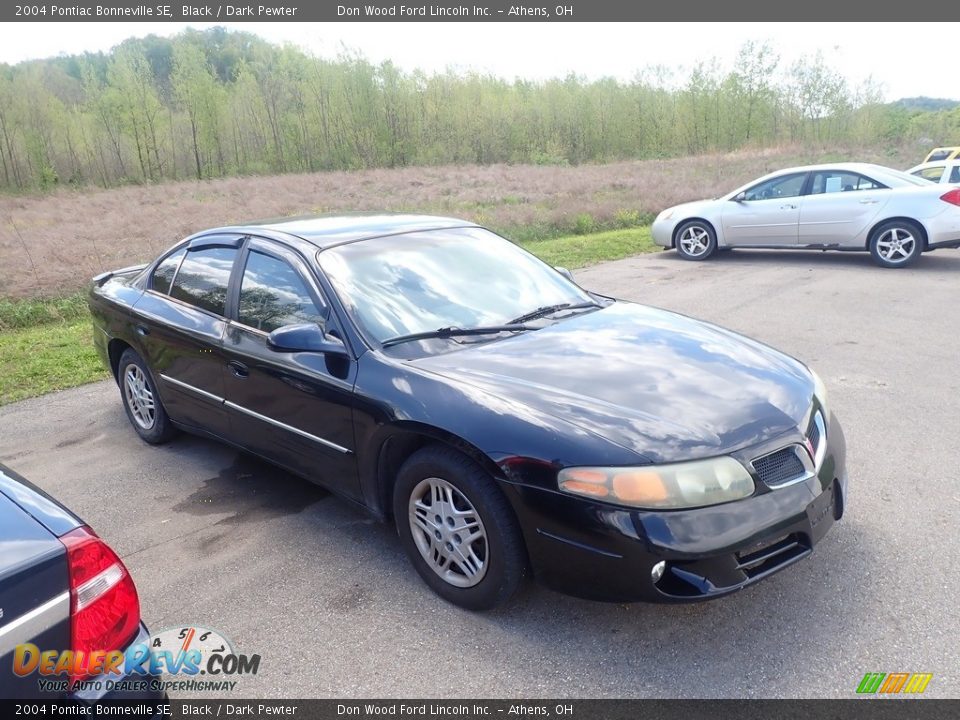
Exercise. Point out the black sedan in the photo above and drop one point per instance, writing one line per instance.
(63, 592)
(509, 421)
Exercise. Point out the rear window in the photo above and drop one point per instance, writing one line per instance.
(203, 278)
(938, 155)
(907, 177)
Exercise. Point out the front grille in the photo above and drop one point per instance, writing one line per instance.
(779, 467)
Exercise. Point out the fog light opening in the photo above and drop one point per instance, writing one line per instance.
(657, 571)
(837, 500)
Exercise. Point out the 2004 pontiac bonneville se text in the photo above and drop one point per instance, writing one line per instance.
(509, 421)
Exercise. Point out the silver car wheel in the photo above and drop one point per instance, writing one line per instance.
(139, 397)
(896, 245)
(448, 532)
(695, 241)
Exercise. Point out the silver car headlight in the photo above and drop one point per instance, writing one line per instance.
(666, 214)
(662, 487)
(820, 391)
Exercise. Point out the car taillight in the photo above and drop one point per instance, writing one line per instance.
(952, 197)
(104, 606)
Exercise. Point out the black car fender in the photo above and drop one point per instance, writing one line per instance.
(427, 407)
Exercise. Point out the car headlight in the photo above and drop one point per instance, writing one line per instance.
(662, 487)
(820, 391)
(666, 214)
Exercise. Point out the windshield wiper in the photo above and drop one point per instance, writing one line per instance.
(446, 332)
(549, 309)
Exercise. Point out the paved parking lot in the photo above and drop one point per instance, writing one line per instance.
(326, 596)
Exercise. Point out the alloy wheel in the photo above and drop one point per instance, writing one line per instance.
(896, 245)
(139, 397)
(695, 241)
(448, 532)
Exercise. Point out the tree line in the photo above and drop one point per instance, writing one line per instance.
(218, 103)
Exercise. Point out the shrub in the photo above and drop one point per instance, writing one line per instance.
(584, 224)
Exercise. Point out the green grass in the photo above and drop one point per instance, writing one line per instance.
(45, 344)
(45, 358)
(576, 251)
(30, 312)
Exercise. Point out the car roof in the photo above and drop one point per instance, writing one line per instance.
(878, 172)
(325, 231)
(934, 163)
(851, 166)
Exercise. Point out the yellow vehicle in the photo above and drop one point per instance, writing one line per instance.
(943, 153)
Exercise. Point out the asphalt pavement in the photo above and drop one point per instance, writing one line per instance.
(325, 595)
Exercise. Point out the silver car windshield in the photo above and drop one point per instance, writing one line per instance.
(461, 277)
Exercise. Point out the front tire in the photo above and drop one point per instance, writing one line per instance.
(458, 529)
(696, 240)
(896, 244)
(141, 401)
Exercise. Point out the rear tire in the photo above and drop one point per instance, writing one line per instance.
(896, 244)
(696, 240)
(458, 529)
(141, 400)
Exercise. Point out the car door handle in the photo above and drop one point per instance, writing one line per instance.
(788, 207)
(238, 369)
(868, 201)
(142, 330)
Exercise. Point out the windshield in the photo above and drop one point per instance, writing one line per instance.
(461, 277)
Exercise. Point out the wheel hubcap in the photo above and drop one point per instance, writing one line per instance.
(139, 397)
(695, 241)
(448, 532)
(896, 245)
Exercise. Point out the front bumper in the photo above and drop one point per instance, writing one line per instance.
(662, 232)
(603, 552)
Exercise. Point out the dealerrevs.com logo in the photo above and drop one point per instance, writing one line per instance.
(894, 683)
(179, 659)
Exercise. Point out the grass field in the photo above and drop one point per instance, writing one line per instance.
(46, 345)
(50, 245)
(45, 358)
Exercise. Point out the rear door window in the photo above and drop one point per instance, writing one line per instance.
(203, 278)
(833, 181)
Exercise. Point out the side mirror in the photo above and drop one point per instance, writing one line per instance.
(566, 273)
(740, 196)
(308, 337)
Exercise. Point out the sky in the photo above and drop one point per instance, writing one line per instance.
(538, 51)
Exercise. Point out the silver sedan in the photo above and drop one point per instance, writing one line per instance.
(851, 206)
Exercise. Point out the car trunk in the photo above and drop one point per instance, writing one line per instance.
(34, 599)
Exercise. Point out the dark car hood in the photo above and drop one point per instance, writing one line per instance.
(663, 385)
